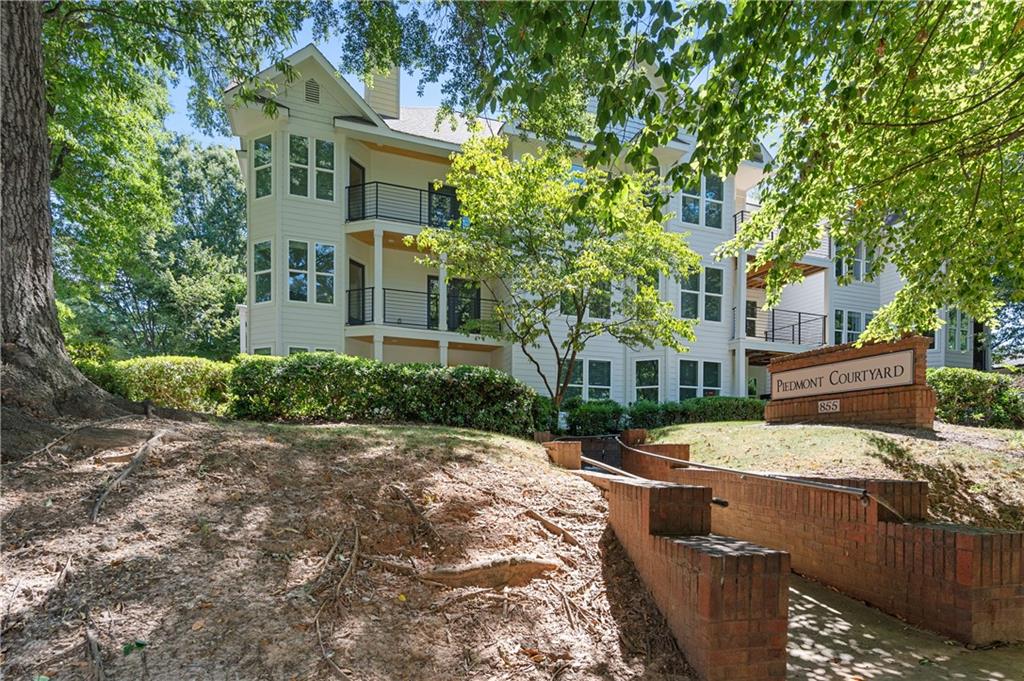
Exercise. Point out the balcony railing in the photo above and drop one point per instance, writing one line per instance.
(384, 201)
(783, 326)
(823, 249)
(360, 306)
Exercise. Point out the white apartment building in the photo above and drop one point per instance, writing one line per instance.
(337, 180)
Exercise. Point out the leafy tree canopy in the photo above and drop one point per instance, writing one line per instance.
(900, 123)
(568, 256)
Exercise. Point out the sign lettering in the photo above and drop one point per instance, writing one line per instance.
(864, 373)
(828, 406)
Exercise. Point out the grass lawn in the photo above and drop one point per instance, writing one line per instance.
(975, 475)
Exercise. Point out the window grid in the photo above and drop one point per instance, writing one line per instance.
(713, 288)
(262, 266)
(323, 265)
(590, 379)
(324, 170)
(262, 153)
(702, 378)
(957, 331)
(298, 271)
(647, 373)
(848, 325)
(689, 298)
(702, 205)
(298, 165)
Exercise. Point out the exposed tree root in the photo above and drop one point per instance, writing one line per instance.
(552, 527)
(137, 461)
(510, 571)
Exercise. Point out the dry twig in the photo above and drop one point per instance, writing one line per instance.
(511, 571)
(140, 458)
(552, 527)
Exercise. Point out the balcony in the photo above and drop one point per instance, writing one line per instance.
(384, 201)
(421, 310)
(784, 326)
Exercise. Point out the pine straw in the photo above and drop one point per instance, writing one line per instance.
(234, 551)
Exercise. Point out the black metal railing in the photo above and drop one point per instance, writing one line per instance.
(360, 306)
(385, 201)
(822, 250)
(783, 326)
(422, 310)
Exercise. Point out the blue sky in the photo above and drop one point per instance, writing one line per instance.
(179, 121)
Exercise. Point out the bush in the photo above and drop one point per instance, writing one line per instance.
(329, 386)
(545, 418)
(645, 414)
(191, 383)
(977, 398)
(596, 417)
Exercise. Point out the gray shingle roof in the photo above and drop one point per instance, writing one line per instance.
(421, 121)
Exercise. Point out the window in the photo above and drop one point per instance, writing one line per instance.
(702, 203)
(325, 170)
(295, 351)
(325, 349)
(856, 266)
(262, 351)
(688, 384)
(601, 301)
(957, 331)
(324, 264)
(848, 325)
(261, 268)
(298, 165)
(647, 379)
(712, 379)
(751, 318)
(575, 387)
(262, 158)
(298, 271)
(690, 297)
(713, 294)
(599, 379)
(595, 384)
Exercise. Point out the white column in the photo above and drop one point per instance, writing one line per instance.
(243, 328)
(740, 371)
(442, 299)
(378, 347)
(378, 275)
(740, 318)
(443, 355)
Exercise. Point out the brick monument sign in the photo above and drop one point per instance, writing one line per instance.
(881, 383)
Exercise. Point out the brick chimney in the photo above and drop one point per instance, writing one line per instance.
(383, 96)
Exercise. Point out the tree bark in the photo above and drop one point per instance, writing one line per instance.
(38, 376)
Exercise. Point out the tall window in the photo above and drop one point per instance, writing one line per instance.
(647, 382)
(713, 277)
(590, 379)
(856, 266)
(957, 331)
(575, 387)
(261, 271)
(325, 170)
(298, 165)
(712, 379)
(688, 381)
(849, 324)
(263, 166)
(298, 271)
(689, 300)
(702, 203)
(324, 263)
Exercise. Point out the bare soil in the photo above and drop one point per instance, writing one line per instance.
(211, 561)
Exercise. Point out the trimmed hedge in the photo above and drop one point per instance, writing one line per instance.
(329, 386)
(977, 398)
(190, 383)
(644, 414)
(596, 417)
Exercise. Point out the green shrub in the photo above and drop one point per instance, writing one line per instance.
(596, 417)
(329, 386)
(190, 383)
(645, 414)
(977, 398)
(545, 418)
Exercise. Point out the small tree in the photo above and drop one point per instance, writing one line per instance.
(566, 258)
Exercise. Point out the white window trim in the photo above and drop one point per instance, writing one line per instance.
(268, 271)
(292, 164)
(317, 169)
(955, 319)
(256, 169)
(702, 295)
(860, 256)
(700, 387)
(697, 292)
(289, 271)
(865, 319)
(269, 349)
(584, 383)
(702, 206)
(637, 386)
(298, 350)
(316, 273)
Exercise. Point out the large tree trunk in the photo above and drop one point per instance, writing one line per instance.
(38, 377)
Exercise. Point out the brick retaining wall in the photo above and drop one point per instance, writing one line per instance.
(726, 601)
(967, 583)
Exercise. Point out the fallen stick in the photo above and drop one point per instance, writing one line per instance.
(511, 571)
(47, 446)
(416, 510)
(140, 458)
(327, 559)
(552, 527)
(328, 655)
(92, 649)
(351, 563)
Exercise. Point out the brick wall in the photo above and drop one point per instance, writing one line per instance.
(726, 601)
(912, 405)
(967, 583)
(650, 466)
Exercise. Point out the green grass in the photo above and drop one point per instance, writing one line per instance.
(975, 475)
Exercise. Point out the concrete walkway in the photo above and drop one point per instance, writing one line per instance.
(835, 637)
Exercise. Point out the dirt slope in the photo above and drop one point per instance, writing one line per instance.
(209, 562)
